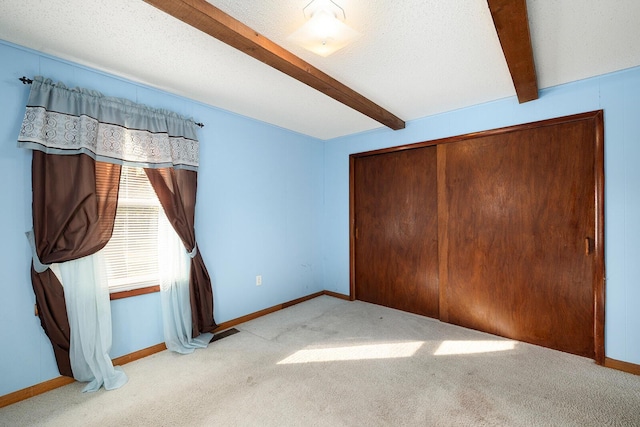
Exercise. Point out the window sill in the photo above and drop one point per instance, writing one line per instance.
(135, 292)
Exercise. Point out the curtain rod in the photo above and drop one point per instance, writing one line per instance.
(28, 81)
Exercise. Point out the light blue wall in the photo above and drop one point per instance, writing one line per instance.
(618, 94)
(259, 212)
(276, 203)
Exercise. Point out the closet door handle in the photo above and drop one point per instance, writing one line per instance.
(588, 245)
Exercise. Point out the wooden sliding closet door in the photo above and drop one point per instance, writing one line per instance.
(517, 234)
(396, 230)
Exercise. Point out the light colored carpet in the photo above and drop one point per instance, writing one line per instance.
(329, 362)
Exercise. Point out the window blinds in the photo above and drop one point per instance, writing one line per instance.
(132, 252)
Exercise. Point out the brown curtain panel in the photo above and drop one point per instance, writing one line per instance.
(74, 207)
(176, 190)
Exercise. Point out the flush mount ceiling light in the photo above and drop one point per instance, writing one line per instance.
(324, 32)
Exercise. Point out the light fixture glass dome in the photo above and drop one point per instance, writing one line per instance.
(324, 33)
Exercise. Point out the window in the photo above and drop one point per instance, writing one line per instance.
(132, 252)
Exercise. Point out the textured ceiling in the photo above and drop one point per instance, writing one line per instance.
(415, 57)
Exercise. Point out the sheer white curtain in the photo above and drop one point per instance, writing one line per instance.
(86, 292)
(174, 265)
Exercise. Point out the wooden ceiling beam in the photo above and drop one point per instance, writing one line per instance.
(207, 18)
(512, 24)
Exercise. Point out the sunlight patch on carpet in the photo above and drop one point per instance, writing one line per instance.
(448, 348)
(357, 352)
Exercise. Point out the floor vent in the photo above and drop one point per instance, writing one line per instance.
(224, 334)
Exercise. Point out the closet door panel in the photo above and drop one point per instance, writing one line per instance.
(520, 224)
(396, 231)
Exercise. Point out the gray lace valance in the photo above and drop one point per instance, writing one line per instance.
(59, 120)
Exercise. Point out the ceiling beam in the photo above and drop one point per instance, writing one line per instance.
(512, 24)
(207, 18)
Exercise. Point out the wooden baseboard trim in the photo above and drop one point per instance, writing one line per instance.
(337, 295)
(631, 368)
(25, 393)
(302, 299)
(61, 381)
(234, 322)
(54, 383)
(132, 357)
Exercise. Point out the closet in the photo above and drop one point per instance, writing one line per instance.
(499, 231)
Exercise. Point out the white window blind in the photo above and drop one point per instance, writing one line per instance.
(132, 253)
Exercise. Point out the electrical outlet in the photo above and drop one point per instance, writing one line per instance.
(259, 280)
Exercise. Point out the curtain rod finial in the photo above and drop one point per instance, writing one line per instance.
(25, 81)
